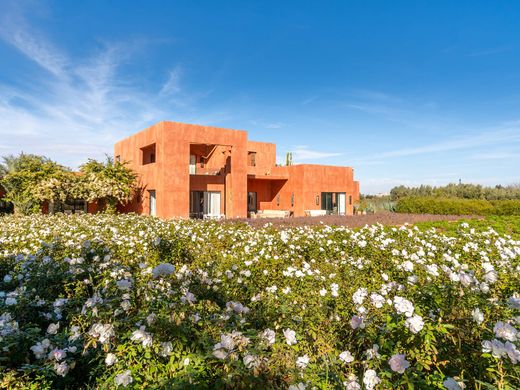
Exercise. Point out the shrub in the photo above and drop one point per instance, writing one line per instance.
(100, 301)
(453, 206)
(462, 191)
(506, 207)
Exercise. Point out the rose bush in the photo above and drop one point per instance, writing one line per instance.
(128, 301)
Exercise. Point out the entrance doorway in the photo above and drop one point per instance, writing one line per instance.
(205, 204)
(251, 202)
(334, 202)
(153, 202)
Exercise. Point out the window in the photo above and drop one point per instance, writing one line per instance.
(193, 164)
(69, 207)
(148, 154)
(251, 159)
(153, 202)
(327, 201)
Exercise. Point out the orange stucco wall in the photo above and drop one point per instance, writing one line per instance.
(228, 151)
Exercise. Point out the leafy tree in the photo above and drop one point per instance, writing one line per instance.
(62, 187)
(108, 183)
(22, 174)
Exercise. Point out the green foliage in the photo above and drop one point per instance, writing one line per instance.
(22, 174)
(375, 204)
(31, 180)
(199, 323)
(108, 182)
(288, 159)
(506, 225)
(462, 191)
(453, 206)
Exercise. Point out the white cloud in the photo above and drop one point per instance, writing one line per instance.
(498, 155)
(73, 108)
(269, 125)
(488, 138)
(373, 95)
(14, 31)
(303, 153)
(275, 125)
(489, 51)
(172, 85)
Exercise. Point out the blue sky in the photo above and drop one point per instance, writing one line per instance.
(406, 92)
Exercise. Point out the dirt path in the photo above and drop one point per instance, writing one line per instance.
(393, 219)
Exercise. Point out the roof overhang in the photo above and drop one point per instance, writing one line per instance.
(267, 177)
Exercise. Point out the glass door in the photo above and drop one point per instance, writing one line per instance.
(196, 204)
(251, 202)
(326, 202)
(341, 199)
(211, 204)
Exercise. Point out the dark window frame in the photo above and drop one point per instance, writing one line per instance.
(251, 159)
(148, 154)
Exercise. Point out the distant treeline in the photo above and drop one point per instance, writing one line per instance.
(458, 191)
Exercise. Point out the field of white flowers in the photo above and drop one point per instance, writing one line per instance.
(136, 302)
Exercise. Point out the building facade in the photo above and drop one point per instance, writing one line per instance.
(202, 171)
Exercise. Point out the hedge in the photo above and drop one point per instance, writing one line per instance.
(453, 206)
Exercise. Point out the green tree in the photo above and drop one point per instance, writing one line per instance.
(108, 183)
(62, 187)
(22, 174)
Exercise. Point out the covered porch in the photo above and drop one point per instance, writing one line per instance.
(263, 195)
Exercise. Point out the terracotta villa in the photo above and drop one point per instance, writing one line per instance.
(201, 171)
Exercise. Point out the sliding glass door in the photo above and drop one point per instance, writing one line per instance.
(326, 202)
(211, 204)
(334, 202)
(205, 204)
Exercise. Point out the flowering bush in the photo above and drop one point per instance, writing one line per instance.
(127, 301)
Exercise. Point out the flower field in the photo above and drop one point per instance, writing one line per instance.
(135, 302)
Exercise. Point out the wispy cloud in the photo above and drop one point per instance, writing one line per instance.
(269, 125)
(485, 139)
(492, 137)
(275, 125)
(309, 100)
(391, 108)
(77, 107)
(14, 31)
(489, 51)
(498, 155)
(172, 85)
(374, 95)
(371, 108)
(303, 153)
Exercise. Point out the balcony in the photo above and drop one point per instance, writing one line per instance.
(200, 169)
(209, 159)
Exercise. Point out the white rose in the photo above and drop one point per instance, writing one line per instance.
(110, 359)
(398, 363)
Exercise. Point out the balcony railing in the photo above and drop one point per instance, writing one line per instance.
(197, 169)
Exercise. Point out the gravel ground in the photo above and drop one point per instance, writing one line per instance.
(392, 219)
